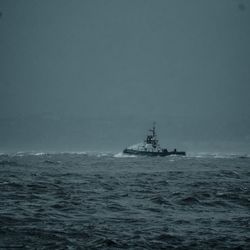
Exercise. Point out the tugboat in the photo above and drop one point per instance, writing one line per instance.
(151, 147)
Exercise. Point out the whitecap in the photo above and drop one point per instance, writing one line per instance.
(122, 155)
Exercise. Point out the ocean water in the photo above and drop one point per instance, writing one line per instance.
(106, 201)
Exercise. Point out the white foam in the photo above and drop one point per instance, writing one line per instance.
(28, 153)
(216, 155)
(39, 153)
(75, 152)
(122, 155)
(136, 146)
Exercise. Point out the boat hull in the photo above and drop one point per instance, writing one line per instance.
(150, 153)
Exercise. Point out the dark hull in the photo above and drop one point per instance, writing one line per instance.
(148, 153)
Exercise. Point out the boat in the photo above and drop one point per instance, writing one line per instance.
(151, 147)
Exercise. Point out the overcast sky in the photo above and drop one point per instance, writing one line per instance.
(95, 74)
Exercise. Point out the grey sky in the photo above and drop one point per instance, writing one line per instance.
(91, 73)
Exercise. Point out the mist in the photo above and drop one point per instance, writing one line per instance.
(94, 75)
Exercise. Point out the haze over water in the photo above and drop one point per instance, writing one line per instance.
(92, 76)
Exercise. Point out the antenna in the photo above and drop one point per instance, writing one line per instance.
(154, 124)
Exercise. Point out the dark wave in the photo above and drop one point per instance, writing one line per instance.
(82, 201)
(9, 163)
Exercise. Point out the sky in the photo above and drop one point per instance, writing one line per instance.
(94, 74)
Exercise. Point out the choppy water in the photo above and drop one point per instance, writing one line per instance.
(80, 201)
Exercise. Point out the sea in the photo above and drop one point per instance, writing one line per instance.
(92, 200)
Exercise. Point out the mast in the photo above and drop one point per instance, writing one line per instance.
(153, 130)
(152, 138)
